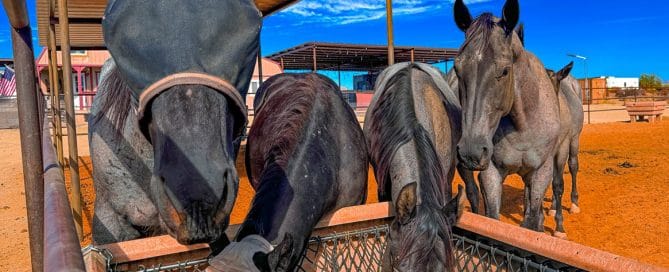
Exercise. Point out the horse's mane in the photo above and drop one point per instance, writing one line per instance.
(114, 98)
(394, 123)
(296, 95)
(479, 31)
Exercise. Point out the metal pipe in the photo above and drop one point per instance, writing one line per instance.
(73, 158)
(17, 12)
(260, 79)
(61, 246)
(55, 86)
(30, 128)
(389, 30)
(313, 53)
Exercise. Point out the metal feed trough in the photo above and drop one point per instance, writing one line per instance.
(351, 239)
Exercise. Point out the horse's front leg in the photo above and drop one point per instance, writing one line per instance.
(491, 186)
(471, 187)
(536, 183)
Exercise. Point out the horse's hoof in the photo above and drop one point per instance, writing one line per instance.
(551, 212)
(574, 209)
(559, 234)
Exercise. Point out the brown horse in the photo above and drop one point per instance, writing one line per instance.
(412, 127)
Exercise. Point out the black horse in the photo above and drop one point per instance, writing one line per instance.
(306, 157)
(168, 117)
(412, 127)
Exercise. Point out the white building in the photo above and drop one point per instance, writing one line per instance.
(622, 82)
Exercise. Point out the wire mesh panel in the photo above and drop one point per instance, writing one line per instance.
(363, 250)
(350, 251)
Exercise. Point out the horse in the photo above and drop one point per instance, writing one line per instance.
(510, 111)
(571, 121)
(412, 126)
(306, 157)
(168, 118)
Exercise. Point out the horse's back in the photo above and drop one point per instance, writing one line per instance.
(307, 119)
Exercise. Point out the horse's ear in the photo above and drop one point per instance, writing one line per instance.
(564, 72)
(520, 31)
(454, 208)
(279, 258)
(406, 203)
(463, 19)
(510, 15)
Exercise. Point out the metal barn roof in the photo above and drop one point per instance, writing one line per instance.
(354, 57)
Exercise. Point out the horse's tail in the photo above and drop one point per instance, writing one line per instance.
(113, 101)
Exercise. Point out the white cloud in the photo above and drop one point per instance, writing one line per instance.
(355, 11)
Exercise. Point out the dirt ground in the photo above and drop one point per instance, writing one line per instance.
(623, 186)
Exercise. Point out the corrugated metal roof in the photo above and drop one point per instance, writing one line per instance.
(85, 18)
(355, 57)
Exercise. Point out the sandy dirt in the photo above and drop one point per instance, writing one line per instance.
(623, 189)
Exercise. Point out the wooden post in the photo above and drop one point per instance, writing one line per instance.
(313, 52)
(282, 67)
(73, 156)
(389, 30)
(412, 58)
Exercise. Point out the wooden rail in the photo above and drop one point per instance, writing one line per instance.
(563, 251)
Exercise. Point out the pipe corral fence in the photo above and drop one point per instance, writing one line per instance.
(351, 239)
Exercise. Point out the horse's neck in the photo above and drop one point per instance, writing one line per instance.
(534, 98)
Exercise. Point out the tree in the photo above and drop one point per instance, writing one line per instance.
(647, 81)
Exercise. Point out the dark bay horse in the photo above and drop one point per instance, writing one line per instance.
(412, 126)
(571, 122)
(306, 157)
(168, 117)
(510, 111)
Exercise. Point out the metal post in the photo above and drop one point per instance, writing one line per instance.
(339, 75)
(31, 138)
(412, 58)
(73, 159)
(313, 52)
(587, 88)
(389, 30)
(259, 66)
(54, 76)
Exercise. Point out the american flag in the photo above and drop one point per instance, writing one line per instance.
(8, 83)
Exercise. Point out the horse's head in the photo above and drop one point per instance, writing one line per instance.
(484, 67)
(420, 235)
(189, 68)
(195, 131)
(254, 253)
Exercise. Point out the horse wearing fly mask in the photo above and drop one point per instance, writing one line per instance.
(168, 118)
(510, 111)
(412, 126)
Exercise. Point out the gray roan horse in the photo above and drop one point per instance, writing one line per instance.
(571, 121)
(510, 111)
(168, 117)
(306, 157)
(412, 127)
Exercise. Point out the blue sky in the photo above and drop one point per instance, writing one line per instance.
(620, 37)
